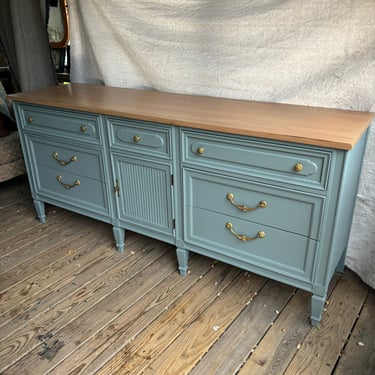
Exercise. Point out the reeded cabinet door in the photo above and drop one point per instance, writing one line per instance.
(144, 195)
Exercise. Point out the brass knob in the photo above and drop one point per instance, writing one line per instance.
(136, 138)
(298, 167)
(261, 234)
(200, 150)
(30, 119)
(83, 129)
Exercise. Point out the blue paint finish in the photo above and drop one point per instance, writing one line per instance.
(171, 183)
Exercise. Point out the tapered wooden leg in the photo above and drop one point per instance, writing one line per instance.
(119, 234)
(182, 258)
(40, 210)
(317, 305)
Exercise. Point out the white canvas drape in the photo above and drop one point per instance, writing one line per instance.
(319, 53)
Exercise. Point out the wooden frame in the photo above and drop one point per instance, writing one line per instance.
(63, 6)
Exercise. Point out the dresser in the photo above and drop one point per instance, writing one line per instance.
(266, 187)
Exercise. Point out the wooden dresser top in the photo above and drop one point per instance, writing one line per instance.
(316, 126)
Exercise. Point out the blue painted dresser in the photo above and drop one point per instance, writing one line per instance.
(266, 187)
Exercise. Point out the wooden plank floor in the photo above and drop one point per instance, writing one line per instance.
(71, 304)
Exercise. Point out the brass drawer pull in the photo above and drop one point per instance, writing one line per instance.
(243, 237)
(261, 204)
(298, 167)
(30, 120)
(67, 186)
(62, 162)
(117, 188)
(136, 138)
(200, 150)
(83, 129)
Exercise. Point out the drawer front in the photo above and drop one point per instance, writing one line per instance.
(72, 189)
(279, 251)
(70, 124)
(275, 161)
(140, 137)
(288, 210)
(67, 158)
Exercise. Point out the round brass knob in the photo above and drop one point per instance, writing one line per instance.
(261, 234)
(200, 150)
(262, 204)
(298, 167)
(30, 119)
(83, 129)
(136, 138)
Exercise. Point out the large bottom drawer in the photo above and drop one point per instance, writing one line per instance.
(279, 251)
(71, 189)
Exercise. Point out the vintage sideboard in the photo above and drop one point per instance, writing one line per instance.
(266, 187)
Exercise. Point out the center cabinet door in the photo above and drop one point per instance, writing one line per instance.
(144, 195)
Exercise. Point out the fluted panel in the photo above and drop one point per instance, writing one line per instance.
(146, 193)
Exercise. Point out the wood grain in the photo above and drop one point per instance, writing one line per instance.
(293, 123)
(276, 350)
(358, 357)
(132, 322)
(240, 316)
(78, 306)
(151, 343)
(320, 350)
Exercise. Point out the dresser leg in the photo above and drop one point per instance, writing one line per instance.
(317, 305)
(119, 234)
(182, 258)
(40, 210)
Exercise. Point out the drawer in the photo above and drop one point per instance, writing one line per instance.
(289, 210)
(288, 254)
(71, 189)
(140, 137)
(66, 158)
(297, 165)
(65, 123)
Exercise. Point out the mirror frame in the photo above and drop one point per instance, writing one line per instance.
(65, 20)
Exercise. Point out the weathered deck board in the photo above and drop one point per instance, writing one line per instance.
(359, 354)
(131, 322)
(321, 348)
(277, 348)
(197, 338)
(149, 344)
(71, 304)
(239, 340)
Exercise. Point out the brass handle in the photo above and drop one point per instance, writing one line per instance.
(30, 119)
(83, 129)
(298, 167)
(200, 150)
(62, 162)
(67, 186)
(117, 188)
(136, 138)
(243, 237)
(261, 204)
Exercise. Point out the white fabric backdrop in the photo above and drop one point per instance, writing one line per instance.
(312, 52)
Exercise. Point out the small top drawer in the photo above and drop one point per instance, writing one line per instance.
(277, 161)
(65, 123)
(140, 137)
